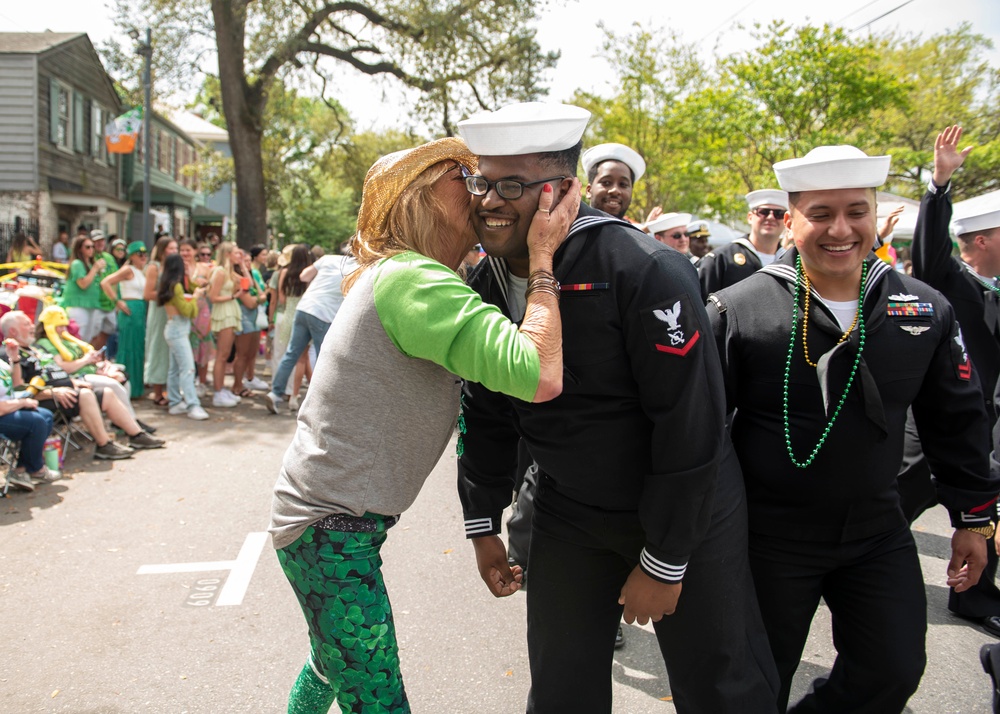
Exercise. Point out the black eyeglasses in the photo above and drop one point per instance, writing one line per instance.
(87, 247)
(778, 213)
(508, 189)
(205, 255)
(676, 236)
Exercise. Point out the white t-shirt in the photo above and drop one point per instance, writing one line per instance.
(60, 253)
(517, 302)
(766, 258)
(843, 311)
(323, 297)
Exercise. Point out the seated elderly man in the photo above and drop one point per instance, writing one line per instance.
(56, 391)
(80, 360)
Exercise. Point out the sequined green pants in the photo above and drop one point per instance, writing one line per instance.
(337, 579)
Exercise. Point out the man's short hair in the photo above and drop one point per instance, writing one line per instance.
(592, 174)
(966, 240)
(565, 160)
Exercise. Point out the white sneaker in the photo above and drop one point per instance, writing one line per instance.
(178, 409)
(44, 475)
(293, 403)
(201, 390)
(223, 399)
(197, 413)
(257, 383)
(234, 397)
(273, 403)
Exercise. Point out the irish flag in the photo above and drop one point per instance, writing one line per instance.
(120, 133)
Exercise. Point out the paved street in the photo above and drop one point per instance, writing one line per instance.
(92, 627)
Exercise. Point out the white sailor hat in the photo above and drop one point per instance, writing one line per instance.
(767, 197)
(699, 229)
(614, 152)
(668, 221)
(832, 167)
(976, 223)
(526, 128)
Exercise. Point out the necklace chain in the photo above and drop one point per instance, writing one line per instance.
(859, 319)
(807, 287)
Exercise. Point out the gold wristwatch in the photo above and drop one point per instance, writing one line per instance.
(986, 531)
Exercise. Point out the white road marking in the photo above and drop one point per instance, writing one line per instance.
(239, 577)
(240, 570)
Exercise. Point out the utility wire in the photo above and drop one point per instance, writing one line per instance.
(722, 24)
(884, 14)
(863, 7)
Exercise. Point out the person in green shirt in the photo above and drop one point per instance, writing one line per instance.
(384, 401)
(107, 319)
(81, 297)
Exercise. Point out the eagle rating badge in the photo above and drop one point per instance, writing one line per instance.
(672, 327)
(740, 259)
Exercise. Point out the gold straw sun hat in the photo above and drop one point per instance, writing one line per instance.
(389, 176)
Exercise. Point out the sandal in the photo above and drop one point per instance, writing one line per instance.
(161, 402)
(245, 393)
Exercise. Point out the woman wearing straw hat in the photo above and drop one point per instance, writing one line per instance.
(408, 326)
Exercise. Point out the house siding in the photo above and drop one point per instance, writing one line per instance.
(18, 123)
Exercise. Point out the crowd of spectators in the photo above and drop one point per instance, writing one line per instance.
(181, 325)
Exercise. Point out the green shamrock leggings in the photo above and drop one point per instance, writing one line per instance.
(354, 658)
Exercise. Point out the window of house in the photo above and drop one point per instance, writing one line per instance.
(61, 114)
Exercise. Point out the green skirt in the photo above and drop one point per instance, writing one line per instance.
(132, 343)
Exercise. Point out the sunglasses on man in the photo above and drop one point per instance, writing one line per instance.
(778, 213)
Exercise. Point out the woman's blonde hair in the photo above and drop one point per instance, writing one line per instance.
(399, 210)
(223, 254)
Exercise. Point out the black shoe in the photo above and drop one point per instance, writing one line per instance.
(991, 624)
(619, 638)
(149, 429)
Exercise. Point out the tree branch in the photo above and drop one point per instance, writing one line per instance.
(300, 40)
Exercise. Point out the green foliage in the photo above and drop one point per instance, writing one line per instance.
(711, 132)
(656, 72)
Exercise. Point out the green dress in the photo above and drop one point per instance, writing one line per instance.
(157, 354)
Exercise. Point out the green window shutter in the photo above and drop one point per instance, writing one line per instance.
(78, 135)
(53, 110)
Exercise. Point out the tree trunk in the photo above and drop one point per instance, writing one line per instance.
(243, 106)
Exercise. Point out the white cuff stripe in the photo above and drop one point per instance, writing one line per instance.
(478, 525)
(661, 569)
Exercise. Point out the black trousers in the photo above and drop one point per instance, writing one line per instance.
(714, 645)
(875, 592)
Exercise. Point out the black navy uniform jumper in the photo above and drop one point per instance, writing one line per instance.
(728, 265)
(835, 530)
(634, 468)
(978, 311)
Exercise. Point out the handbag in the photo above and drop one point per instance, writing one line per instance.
(261, 323)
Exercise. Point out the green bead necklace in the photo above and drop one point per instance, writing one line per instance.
(799, 280)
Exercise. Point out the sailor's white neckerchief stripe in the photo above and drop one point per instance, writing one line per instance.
(658, 570)
(479, 526)
(876, 271)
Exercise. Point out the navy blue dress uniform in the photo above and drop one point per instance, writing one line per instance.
(835, 529)
(977, 308)
(634, 468)
(728, 265)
